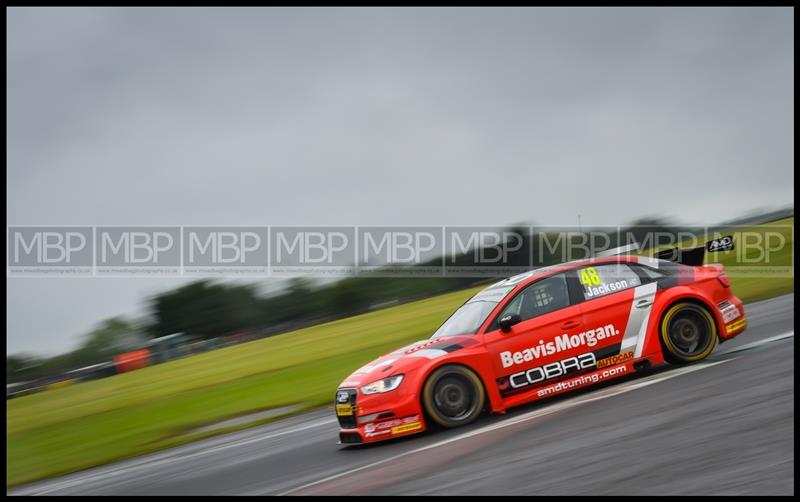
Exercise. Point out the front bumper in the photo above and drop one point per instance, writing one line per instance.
(368, 419)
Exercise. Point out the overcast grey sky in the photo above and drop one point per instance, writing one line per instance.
(382, 116)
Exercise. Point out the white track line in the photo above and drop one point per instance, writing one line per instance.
(758, 343)
(602, 394)
(171, 457)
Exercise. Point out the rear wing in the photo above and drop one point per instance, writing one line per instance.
(694, 256)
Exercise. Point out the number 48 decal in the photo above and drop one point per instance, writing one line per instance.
(589, 277)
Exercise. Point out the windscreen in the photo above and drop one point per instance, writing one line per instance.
(469, 317)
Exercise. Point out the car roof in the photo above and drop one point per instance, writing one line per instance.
(532, 275)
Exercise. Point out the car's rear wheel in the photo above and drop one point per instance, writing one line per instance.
(688, 333)
(453, 396)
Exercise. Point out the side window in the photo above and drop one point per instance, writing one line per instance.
(539, 298)
(603, 280)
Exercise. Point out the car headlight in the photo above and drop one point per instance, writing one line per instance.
(384, 385)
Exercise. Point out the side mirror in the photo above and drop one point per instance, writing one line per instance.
(507, 321)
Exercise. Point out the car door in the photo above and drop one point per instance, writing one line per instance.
(615, 304)
(530, 354)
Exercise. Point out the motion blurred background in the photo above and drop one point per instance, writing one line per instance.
(660, 118)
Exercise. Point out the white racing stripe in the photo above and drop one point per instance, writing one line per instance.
(638, 319)
(428, 353)
(547, 410)
(647, 260)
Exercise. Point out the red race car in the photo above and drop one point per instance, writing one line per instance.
(540, 334)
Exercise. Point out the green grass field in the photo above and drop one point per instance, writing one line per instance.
(91, 423)
(87, 424)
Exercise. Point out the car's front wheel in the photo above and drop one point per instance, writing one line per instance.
(453, 396)
(688, 333)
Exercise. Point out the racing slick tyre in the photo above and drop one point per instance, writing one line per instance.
(688, 333)
(453, 396)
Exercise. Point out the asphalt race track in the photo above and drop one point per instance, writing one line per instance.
(722, 426)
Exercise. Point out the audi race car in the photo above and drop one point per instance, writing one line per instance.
(541, 334)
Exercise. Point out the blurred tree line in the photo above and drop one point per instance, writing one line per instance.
(208, 309)
(108, 338)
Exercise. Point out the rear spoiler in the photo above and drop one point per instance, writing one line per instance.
(694, 256)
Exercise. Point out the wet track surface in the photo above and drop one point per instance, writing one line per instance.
(722, 426)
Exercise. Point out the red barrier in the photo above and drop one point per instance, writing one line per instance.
(134, 360)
